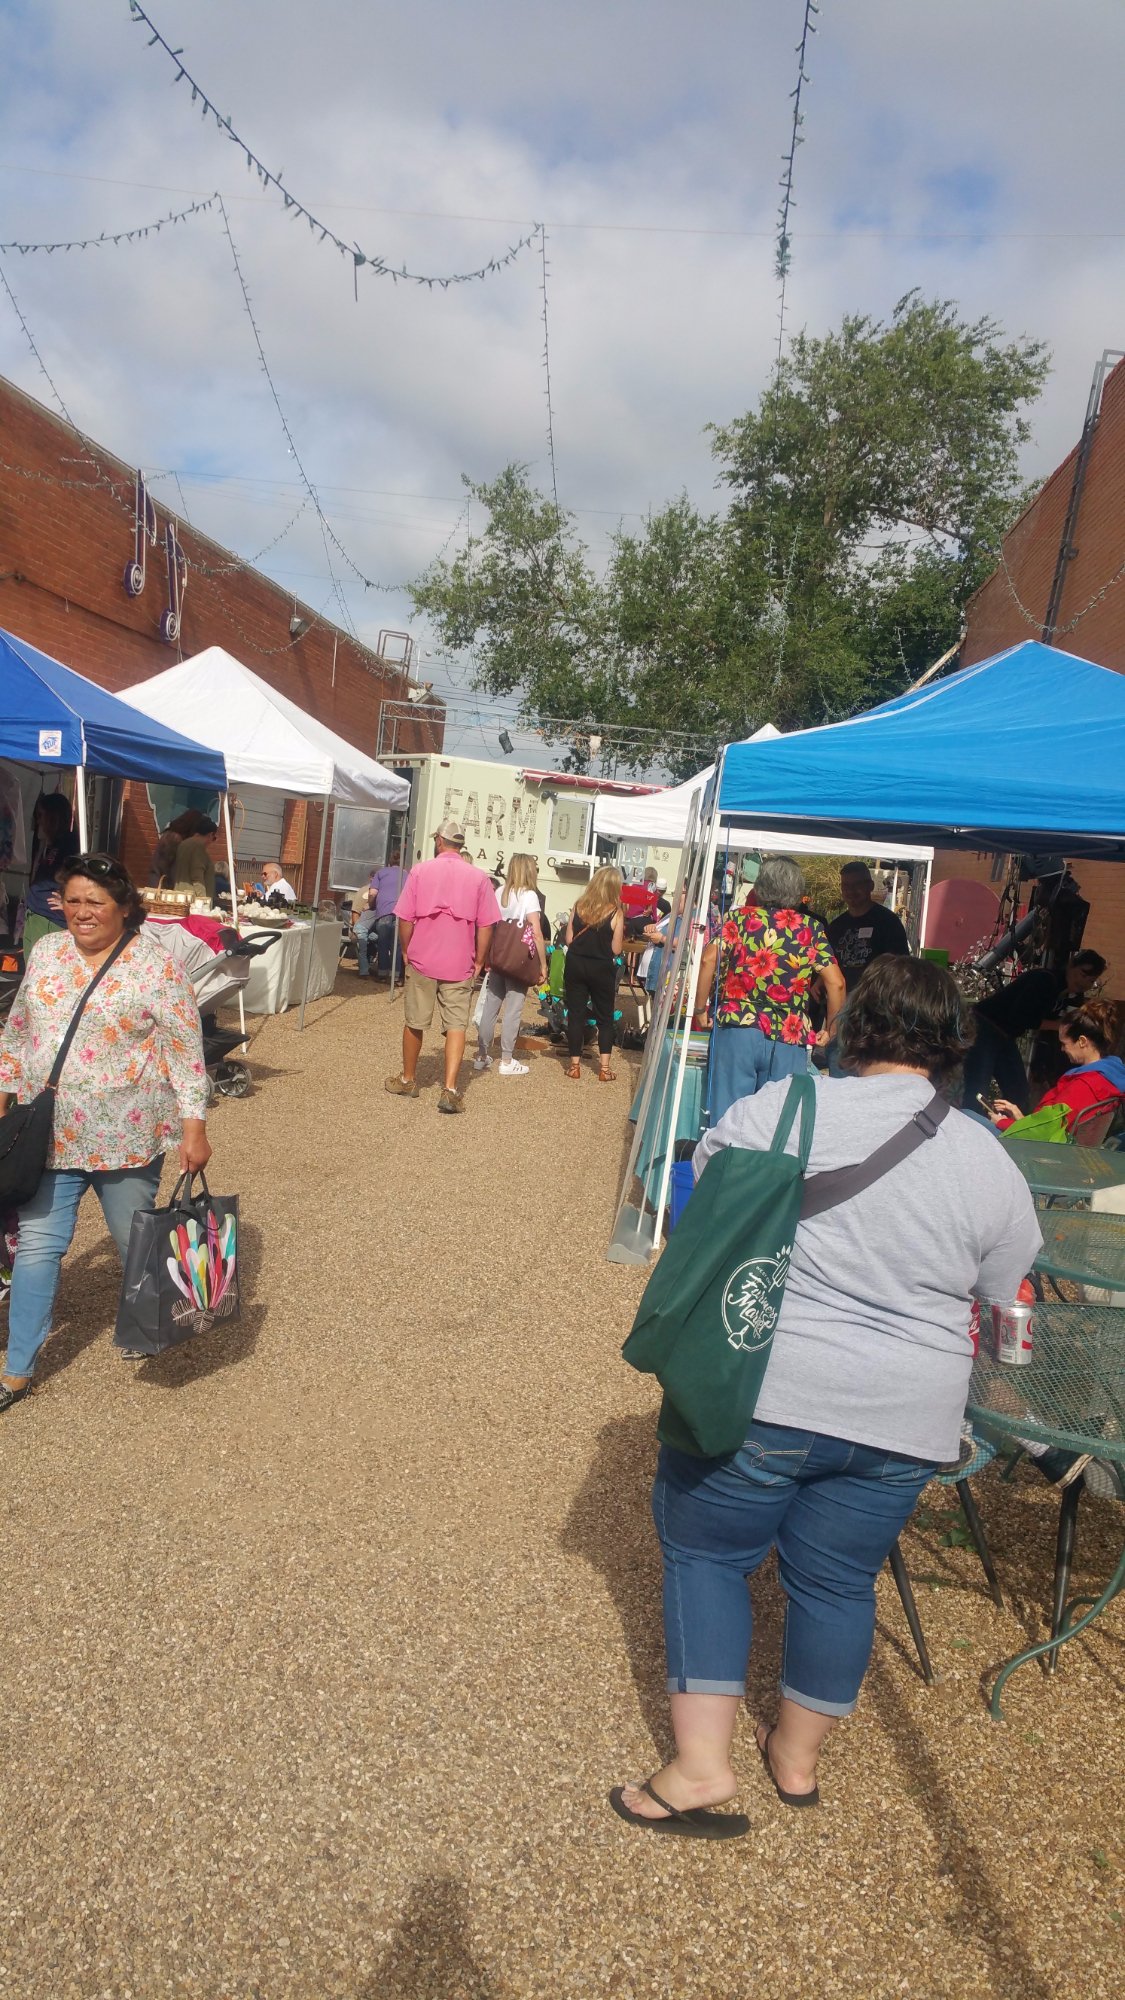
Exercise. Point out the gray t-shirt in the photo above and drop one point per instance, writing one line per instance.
(872, 1343)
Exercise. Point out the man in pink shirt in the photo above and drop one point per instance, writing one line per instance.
(445, 917)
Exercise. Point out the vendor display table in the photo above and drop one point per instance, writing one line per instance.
(277, 979)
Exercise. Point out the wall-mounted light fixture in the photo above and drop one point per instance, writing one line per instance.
(298, 626)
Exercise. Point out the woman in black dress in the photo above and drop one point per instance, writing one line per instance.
(595, 933)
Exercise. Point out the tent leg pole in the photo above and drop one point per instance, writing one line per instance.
(925, 905)
(80, 808)
(233, 900)
(316, 903)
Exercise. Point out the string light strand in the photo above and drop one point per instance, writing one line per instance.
(110, 237)
(547, 375)
(359, 259)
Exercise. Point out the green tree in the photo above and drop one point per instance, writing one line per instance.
(869, 490)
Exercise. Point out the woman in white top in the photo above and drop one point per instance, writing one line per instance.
(519, 904)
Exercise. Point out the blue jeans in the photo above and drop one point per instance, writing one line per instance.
(743, 1059)
(833, 1510)
(384, 929)
(47, 1225)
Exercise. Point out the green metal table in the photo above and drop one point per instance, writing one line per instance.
(1071, 1394)
(1074, 1171)
(1084, 1245)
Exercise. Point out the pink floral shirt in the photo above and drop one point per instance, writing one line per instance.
(135, 1068)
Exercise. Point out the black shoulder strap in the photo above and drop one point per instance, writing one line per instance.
(64, 1046)
(824, 1191)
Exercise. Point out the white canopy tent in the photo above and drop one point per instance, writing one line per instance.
(265, 740)
(660, 819)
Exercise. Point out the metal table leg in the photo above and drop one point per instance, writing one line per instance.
(1068, 1631)
(980, 1540)
(906, 1598)
(1064, 1556)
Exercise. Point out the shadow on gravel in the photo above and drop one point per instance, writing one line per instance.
(429, 1956)
(610, 1527)
(976, 1868)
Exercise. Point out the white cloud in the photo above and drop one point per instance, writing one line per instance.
(994, 128)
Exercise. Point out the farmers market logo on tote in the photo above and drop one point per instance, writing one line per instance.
(752, 1299)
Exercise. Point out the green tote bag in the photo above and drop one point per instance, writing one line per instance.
(705, 1324)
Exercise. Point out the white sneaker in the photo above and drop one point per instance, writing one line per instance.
(513, 1068)
(480, 1064)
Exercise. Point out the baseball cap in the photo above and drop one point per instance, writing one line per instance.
(661, 885)
(452, 831)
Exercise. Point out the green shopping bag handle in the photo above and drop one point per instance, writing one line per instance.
(801, 1096)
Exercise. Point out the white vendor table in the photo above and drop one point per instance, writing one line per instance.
(277, 979)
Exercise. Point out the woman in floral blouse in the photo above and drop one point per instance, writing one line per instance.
(768, 957)
(133, 1078)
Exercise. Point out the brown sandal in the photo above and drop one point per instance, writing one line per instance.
(607, 1076)
(573, 1072)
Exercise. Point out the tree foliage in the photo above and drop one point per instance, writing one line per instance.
(868, 491)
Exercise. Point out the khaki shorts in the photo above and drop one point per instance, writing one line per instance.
(454, 1002)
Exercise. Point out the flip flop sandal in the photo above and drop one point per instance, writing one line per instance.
(787, 1798)
(699, 1824)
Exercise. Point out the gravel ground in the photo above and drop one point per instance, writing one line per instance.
(325, 1637)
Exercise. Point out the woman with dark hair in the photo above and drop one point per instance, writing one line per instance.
(133, 1078)
(54, 842)
(862, 1399)
(759, 974)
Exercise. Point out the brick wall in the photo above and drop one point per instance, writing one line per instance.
(995, 621)
(66, 534)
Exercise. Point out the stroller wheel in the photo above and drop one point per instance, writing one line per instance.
(232, 1079)
(212, 1091)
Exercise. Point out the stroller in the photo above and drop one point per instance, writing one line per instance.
(218, 978)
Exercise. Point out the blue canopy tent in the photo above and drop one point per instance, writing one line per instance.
(1023, 753)
(49, 715)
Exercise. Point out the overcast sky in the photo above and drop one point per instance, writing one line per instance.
(970, 148)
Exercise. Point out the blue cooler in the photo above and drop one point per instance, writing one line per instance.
(680, 1186)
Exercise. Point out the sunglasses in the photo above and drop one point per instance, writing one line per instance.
(99, 867)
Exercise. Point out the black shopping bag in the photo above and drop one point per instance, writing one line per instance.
(181, 1271)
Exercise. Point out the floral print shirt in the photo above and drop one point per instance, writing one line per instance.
(768, 960)
(135, 1067)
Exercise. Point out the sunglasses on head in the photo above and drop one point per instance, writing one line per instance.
(101, 867)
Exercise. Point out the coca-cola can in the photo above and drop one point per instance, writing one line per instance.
(1011, 1333)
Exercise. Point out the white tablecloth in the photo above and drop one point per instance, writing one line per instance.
(277, 978)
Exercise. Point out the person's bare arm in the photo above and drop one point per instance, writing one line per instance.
(617, 937)
(405, 933)
(536, 923)
(706, 980)
(832, 980)
(484, 939)
(570, 928)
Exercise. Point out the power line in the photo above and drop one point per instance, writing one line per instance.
(360, 259)
(919, 234)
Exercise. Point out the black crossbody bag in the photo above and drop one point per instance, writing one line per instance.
(26, 1130)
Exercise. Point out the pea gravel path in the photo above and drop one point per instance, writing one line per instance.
(322, 1640)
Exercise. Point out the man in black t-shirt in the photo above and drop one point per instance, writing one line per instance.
(865, 930)
(1017, 1010)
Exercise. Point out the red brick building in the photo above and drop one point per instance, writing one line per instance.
(1089, 619)
(67, 530)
